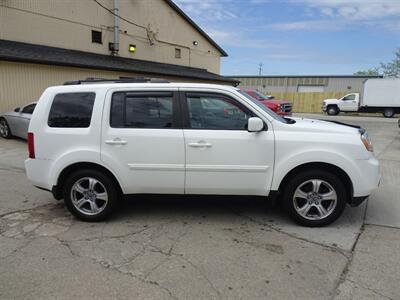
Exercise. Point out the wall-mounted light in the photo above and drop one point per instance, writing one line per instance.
(132, 48)
(195, 43)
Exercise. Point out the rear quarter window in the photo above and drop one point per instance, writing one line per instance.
(71, 110)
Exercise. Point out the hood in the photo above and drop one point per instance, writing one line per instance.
(327, 101)
(312, 125)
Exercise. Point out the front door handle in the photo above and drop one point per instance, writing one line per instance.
(200, 144)
(116, 141)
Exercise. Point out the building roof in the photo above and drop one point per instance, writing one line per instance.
(31, 53)
(201, 31)
(305, 76)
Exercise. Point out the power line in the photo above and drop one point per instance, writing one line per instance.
(126, 20)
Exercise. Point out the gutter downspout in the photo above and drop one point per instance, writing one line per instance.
(116, 27)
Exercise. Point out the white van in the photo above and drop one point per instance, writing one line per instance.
(91, 144)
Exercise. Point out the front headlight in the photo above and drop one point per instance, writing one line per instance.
(367, 142)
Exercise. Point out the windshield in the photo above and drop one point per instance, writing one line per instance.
(263, 107)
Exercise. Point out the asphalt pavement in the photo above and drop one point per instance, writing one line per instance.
(200, 247)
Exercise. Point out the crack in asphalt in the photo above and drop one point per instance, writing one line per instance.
(328, 247)
(369, 289)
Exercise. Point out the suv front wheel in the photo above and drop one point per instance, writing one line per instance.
(90, 195)
(315, 198)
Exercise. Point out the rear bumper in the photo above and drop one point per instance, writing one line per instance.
(37, 173)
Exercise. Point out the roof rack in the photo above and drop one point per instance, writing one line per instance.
(90, 80)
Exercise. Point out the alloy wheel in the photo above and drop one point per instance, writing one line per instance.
(89, 196)
(4, 131)
(315, 199)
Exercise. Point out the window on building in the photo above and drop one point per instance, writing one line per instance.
(71, 110)
(177, 53)
(135, 110)
(96, 37)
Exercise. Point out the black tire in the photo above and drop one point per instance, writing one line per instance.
(105, 183)
(332, 110)
(388, 112)
(5, 131)
(297, 181)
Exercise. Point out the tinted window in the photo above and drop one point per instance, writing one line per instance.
(216, 112)
(29, 109)
(136, 110)
(71, 110)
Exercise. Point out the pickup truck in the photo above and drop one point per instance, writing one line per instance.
(280, 107)
(378, 95)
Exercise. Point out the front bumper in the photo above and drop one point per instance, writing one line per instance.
(367, 178)
(323, 108)
(356, 201)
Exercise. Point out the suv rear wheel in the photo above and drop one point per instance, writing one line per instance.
(90, 195)
(315, 198)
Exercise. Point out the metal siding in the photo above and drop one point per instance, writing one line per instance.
(289, 84)
(21, 83)
(342, 84)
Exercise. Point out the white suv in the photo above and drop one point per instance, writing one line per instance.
(91, 144)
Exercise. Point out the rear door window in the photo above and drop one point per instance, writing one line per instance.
(142, 110)
(71, 110)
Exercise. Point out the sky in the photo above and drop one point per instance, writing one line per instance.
(299, 37)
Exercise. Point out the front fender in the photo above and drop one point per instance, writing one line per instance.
(284, 166)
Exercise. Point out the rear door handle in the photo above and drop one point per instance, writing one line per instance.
(116, 141)
(200, 145)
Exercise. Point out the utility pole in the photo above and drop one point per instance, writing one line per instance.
(260, 66)
(116, 27)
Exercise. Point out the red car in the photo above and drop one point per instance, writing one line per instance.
(281, 107)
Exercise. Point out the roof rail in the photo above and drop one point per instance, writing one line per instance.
(90, 80)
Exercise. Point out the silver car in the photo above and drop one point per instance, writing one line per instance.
(16, 122)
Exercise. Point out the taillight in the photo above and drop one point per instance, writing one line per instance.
(31, 145)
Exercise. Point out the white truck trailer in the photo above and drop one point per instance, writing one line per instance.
(378, 95)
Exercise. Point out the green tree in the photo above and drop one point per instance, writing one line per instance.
(369, 72)
(392, 69)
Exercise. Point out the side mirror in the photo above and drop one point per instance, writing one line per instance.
(255, 124)
(17, 109)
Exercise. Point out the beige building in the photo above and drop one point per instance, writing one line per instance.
(48, 42)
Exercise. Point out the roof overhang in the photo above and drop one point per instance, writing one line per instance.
(39, 54)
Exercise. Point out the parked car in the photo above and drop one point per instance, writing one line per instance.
(16, 122)
(281, 107)
(379, 95)
(91, 144)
